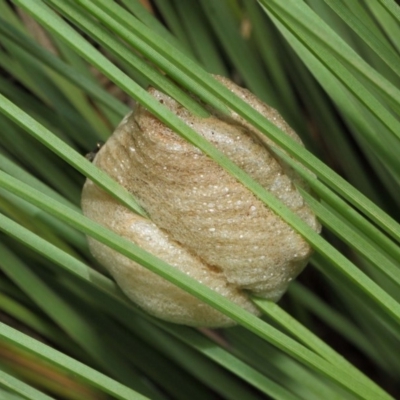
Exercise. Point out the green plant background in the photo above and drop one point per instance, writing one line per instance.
(331, 68)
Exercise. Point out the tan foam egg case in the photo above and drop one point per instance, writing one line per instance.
(202, 221)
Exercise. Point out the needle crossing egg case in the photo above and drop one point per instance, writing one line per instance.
(202, 221)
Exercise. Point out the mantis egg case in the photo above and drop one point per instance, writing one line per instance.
(202, 221)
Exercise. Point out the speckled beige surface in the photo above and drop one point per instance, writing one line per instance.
(203, 221)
